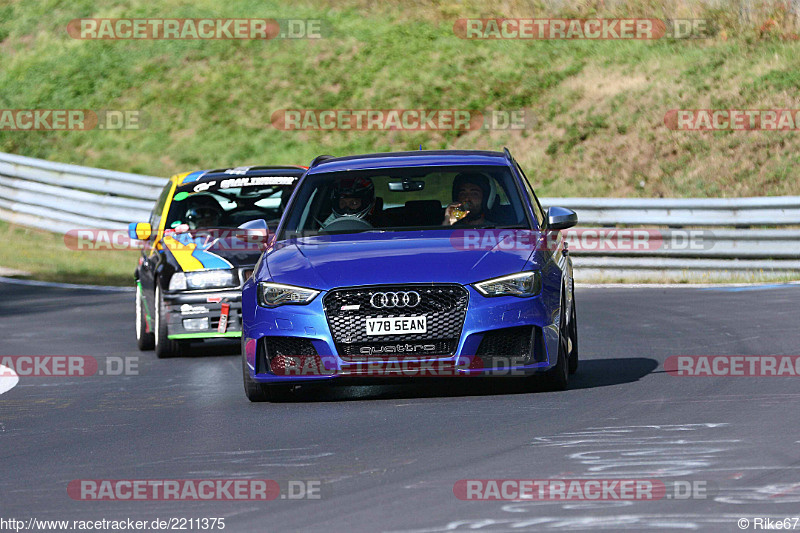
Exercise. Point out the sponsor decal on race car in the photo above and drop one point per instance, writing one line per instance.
(193, 255)
(223, 318)
(187, 309)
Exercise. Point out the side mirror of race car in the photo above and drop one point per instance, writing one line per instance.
(139, 231)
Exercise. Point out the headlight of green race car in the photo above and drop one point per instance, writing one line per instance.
(203, 279)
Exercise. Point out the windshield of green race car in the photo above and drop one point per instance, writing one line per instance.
(205, 205)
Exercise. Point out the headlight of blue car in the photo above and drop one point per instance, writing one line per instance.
(522, 285)
(203, 279)
(275, 294)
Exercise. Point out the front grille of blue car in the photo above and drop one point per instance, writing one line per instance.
(443, 305)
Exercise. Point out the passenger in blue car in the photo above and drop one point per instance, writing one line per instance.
(473, 196)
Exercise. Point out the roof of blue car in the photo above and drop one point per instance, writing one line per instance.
(422, 158)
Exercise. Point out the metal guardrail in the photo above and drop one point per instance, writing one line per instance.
(748, 250)
(682, 212)
(60, 197)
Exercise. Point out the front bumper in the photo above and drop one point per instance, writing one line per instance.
(187, 307)
(484, 317)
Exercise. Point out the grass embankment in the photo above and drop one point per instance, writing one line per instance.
(46, 256)
(599, 105)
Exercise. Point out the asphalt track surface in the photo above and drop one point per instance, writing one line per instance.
(387, 456)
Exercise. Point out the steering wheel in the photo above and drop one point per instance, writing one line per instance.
(347, 223)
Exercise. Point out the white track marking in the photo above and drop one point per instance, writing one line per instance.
(8, 379)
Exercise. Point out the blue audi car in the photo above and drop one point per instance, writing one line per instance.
(411, 263)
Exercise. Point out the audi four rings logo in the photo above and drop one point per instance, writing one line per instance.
(383, 300)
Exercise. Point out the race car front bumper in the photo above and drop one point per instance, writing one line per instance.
(197, 314)
(487, 337)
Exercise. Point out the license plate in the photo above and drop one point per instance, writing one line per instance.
(397, 326)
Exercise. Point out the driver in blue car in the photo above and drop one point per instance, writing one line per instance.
(473, 196)
(352, 198)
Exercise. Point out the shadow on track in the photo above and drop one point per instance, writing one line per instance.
(606, 372)
(592, 373)
(210, 348)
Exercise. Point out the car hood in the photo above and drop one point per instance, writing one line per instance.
(199, 252)
(433, 256)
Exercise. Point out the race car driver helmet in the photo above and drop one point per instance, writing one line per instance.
(353, 197)
(203, 212)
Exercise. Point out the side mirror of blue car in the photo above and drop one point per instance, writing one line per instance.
(255, 230)
(559, 218)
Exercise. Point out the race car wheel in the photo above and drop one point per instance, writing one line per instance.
(255, 391)
(163, 345)
(573, 336)
(557, 378)
(145, 339)
(262, 392)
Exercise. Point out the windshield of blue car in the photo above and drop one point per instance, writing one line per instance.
(206, 205)
(404, 199)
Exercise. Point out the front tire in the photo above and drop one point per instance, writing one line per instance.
(262, 392)
(573, 336)
(164, 346)
(145, 340)
(255, 391)
(557, 378)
